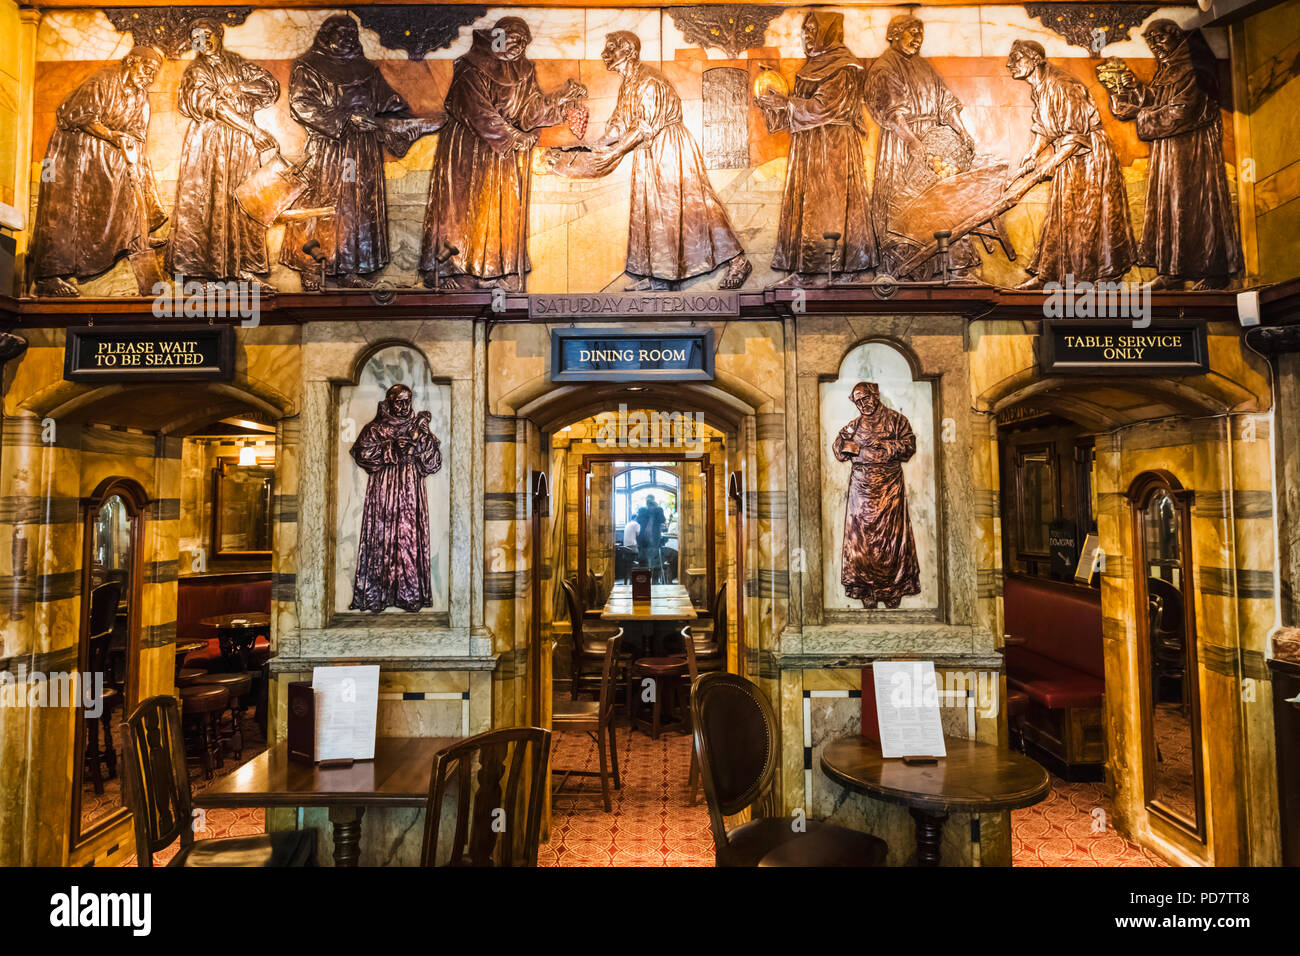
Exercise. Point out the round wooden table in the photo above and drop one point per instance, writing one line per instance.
(236, 634)
(974, 778)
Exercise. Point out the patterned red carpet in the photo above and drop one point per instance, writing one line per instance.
(653, 824)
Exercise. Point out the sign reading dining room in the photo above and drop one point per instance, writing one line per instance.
(1097, 348)
(594, 355)
(158, 354)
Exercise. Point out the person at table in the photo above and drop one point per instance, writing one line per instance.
(879, 554)
(631, 531)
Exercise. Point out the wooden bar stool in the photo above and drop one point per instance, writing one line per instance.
(187, 676)
(198, 703)
(667, 674)
(240, 686)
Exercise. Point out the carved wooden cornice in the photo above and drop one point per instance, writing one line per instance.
(730, 27)
(417, 30)
(294, 308)
(167, 29)
(1091, 25)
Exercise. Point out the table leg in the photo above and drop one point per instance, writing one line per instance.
(929, 834)
(347, 834)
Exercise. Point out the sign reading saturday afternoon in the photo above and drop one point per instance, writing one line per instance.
(595, 355)
(184, 353)
(633, 305)
(1092, 348)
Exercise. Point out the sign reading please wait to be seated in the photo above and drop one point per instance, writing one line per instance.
(594, 355)
(184, 353)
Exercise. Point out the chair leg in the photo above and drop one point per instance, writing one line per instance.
(655, 711)
(693, 777)
(110, 752)
(604, 772)
(611, 737)
(92, 755)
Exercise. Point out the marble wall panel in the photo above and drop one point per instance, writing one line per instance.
(357, 406)
(885, 365)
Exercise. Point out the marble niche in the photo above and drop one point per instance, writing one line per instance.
(358, 404)
(885, 365)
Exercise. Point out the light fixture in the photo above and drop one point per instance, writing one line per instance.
(248, 455)
(635, 388)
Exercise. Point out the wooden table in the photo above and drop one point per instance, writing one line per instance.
(236, 635)
(669, 603)
(974, 778)
(397, 777)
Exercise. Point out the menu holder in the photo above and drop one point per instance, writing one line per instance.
(347, 706)
(301, 737)
(640, 578)
(907, 711)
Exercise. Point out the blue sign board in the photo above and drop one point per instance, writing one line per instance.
(594, 355)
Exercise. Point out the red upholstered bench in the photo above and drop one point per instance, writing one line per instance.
(211, 594)
(1054, 657)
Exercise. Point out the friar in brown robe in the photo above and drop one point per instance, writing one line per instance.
(825, 180)
(1189, 231)
(879, 554)
(352, 116)
(98, 198)
(907, 97)
(678, 227)
(1087, 234)
(476, 221)
(212, 237)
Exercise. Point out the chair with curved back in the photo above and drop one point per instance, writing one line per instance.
(485, 800)
(588, 646)
(158, 795)
(103, 614)
(736, 741)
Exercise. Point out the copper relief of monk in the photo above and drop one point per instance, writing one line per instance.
(879, 553)
(397, 451)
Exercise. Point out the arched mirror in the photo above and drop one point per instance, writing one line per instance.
(1169, 685)
(109, 650)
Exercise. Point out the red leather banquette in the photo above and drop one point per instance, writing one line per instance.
(212, 594)
(1054, 657)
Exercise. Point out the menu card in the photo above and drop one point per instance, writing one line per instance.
(907, 709)
(347, 709)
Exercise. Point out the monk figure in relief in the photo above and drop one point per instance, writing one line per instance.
(397, 451)
(879, 554)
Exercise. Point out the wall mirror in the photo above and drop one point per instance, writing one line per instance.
(1170, 687)
(242, 498)
(108, 651)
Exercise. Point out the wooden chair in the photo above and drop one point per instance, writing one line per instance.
(710, 633)
(158, 795)
(474, 782)
(735, 738)
(596, 719)
(588, 646)
(103, 613)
